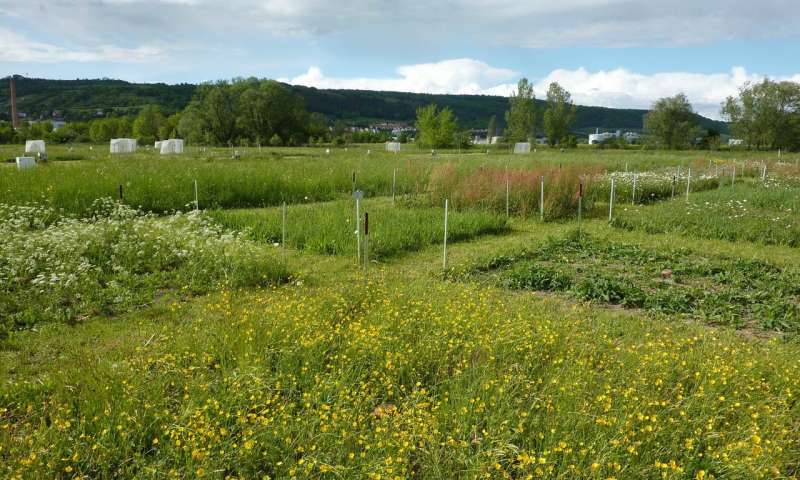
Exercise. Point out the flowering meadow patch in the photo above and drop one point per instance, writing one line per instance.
(398, 380)
(63, 269)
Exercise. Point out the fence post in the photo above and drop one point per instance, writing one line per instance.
(394, 184)
(733, 176)
(196, 201)
(580, 206)
(444, 244)
(283, 230)
(358, 194)
(541, 199)
(688, 183)
(611, 201)
(633, 192)
(507, 195)
(366, 244)
(674, 183)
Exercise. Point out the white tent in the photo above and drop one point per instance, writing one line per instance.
(173, 145)
(25, 162)
(34, 146)
(123, 145)
(393, 147)
(522, 147)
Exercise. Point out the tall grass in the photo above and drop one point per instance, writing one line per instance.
(766, 213)
(272, 176)
(329, 228)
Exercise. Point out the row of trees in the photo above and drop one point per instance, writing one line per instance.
(766, 115)
(439, 129)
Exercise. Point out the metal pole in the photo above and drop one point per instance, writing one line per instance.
(358, 229)
(688, 183)
(507, 194)
(674, 181)
(444, 250)
(580, 206)
(611, 202)
(283, 227)
(394, 184)
(196, 201)
(541, 200)
(366, 244)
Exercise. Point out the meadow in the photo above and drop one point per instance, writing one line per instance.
(144, 337)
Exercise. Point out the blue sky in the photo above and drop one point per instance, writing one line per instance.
(617, 53)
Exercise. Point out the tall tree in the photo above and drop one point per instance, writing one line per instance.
(559, 115)
(147, 123)
(435, 129)
(521, 116)
(671, 123)
(492, 130)
(766, 114)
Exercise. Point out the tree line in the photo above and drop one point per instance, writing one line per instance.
(765, 115)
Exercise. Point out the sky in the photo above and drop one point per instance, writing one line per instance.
(614, 53)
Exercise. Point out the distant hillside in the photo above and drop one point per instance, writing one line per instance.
(83, 99)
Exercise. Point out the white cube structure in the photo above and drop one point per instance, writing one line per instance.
(171, 146)
(34, 146)
(522, 147)
(123, 145)
(157, 145)
(24, 163)
(393, 147)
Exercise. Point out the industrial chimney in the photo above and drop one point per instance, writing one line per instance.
(14, 121)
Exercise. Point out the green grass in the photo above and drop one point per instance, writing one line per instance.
(716, 289)
(271, 176)
(115, 367)
(755, 212)
(329, 228)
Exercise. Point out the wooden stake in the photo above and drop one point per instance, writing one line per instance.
(444, 244)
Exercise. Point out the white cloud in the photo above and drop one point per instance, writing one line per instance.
(17, 48)
(460, 76)
(618, 88)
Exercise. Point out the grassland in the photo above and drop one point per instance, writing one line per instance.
(187, 345)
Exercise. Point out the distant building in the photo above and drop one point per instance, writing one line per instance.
(597, 137)
(735, 142)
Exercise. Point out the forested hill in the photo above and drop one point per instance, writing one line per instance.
(83, 99)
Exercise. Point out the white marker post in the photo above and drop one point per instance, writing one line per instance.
(733, 176)
(358, 195)
(688, 183)
(283, 230)
(366, 244)
(633, 193)
(611, 202)
(507, 195)
(764, 173)
(394, 184)
(541, 200)
(674, 183)
(444, 244)
(580, 206)
(196, 201)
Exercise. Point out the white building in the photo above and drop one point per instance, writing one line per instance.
(123, 145)
(34, 146)
(393, 147)
(735, 142)
(597, 137)
(171, 146)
